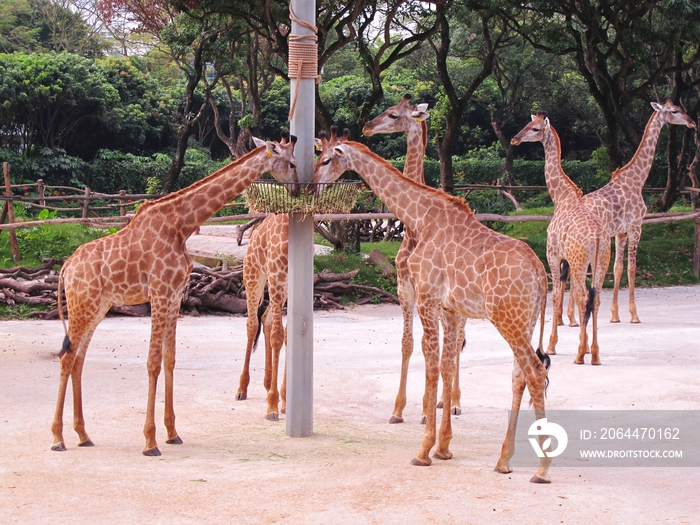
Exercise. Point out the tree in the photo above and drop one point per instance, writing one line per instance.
(46, 97)
(464, 60)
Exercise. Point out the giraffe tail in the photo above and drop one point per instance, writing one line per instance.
(261, 312)
(564, 271)
(589, 304)
(66, 340)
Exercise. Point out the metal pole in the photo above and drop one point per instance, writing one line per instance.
(299, 417)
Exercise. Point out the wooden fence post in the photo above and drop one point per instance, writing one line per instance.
(86, 203)
(696, 255)
(41, 190)
(122, 205)
(10, 212)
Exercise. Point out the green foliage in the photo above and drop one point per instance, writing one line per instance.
(40, 242)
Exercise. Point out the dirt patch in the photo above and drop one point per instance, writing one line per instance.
(236, 467)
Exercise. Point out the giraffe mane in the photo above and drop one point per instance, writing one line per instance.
(459, 202)
(206, 180)
(557, 145)
(638, 152)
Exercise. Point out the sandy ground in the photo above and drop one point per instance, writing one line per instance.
(236, 467)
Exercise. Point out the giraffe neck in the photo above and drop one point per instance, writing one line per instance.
(411, 202)
(189, 207)
(416, 138)
(559, 185)
(636, 171)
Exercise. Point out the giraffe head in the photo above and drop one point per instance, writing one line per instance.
(672, 114)
(534, 131)
(332, 162)
(397, 118)
(281, 162)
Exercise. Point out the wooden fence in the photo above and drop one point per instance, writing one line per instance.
(123, 202)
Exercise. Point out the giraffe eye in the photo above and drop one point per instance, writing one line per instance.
(292, 165)
(326, 162)
(535, 129)
(392, 116)
(674, 111)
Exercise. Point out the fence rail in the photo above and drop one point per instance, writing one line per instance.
(130, 200)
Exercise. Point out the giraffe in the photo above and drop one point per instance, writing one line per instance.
(460, 269)
(620, 206)
(576, 239)
(266, 262)
(147, 261)
(402, 118)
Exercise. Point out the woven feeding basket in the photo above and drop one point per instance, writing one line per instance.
(264, 196)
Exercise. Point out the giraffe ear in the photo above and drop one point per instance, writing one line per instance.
(656, 106)
(318, 144)
(339, 150)
(533, 117)
(546, 122)
(420, 113)
(258, 142)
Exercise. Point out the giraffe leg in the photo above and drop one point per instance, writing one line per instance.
(456, 408)
(406, 295)
(557, 300)
(159, 323)
(273, 320)
(456, 391)
(600, 269)
(570, 310)
(634, 237)
(579, 289)
(454, 332)
(508, 448)
(620, 242)
(80, 332)
(283, 387)
(430, 318)
(255, 286)
(536, 377)
(169, 369)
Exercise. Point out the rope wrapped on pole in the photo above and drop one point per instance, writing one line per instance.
(303, 57)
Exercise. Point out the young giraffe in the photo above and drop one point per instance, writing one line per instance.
(403, 118)
(266, 262)
(620, 206)
(460, 269)
(575, 237)
(148, 261)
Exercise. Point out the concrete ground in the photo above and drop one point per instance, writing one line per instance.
(237, 467)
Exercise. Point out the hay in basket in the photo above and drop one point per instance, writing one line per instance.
(265, 196)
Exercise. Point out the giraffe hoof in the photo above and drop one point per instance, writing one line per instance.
(502, 470)
(59, 447)
(423, 420)
(456, 411)
(283, 410)
(442, 455)
(439, 405)
(174, 441)
(635, 321)
(272, 416)
(394, 419)
(87, 443)
(537, 479)
(573, 324)
(152, 452)
(578, 361)
(240, 396)
(551, 351)
(595, 362)
(615, 320)
(421, 462)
